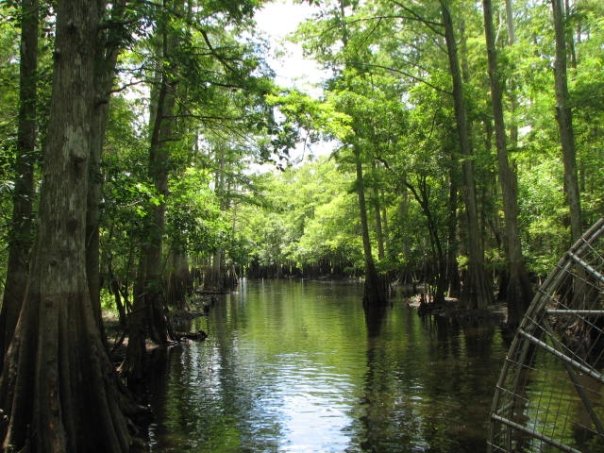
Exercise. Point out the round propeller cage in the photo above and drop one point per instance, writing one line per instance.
(550, 393)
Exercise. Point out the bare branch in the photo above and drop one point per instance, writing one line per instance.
(416, 18)
(406, 74)
(428, 23)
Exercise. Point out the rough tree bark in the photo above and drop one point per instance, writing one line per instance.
(565, 123)
(519, 292)
(21, 233)
(57, 371)
(476, 290)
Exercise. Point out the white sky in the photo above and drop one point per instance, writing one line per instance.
(277, 20)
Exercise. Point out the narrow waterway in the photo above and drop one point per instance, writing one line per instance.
(296, 367)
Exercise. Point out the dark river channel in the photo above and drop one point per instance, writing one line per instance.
(296, 367)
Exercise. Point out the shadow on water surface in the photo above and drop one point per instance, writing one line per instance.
(374, 318)
(302, 366)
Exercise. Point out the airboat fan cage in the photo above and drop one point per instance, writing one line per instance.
(550, 393)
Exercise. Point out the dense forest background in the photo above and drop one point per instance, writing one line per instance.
(467, 155)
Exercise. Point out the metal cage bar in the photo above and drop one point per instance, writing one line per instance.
(550, 392)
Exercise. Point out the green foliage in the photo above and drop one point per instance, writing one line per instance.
(302, 111)
(309, 217)
(9, 96)
(195, 223)
(388, 102)
(391, 84)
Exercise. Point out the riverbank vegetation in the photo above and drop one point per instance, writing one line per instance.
(466, 155)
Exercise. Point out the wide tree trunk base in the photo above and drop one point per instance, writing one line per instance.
(59, 389)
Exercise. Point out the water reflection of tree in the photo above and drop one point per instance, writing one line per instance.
(458, 382)
(374, 319)
(236, 425)
(384, 424)
(447, 333)
(159, 372)
(201, 393)
(407, 401)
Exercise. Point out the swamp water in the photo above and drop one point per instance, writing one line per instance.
(294, 366)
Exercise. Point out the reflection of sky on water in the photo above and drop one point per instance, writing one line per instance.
(315, 406)
(290, 404)
(288, 367)
(296, 405)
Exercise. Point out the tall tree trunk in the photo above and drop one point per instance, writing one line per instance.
(215, 278)
(452, 268)
(379, 232)
(149, 297)
(57, 371)
(106, 60)
(385, 225)
(374, 293)
(519, 292)
(421, 194)
(374, 288)
(159, 158)
(149, 318)
(404, 214)
(477, 292)
(570, 37)
(509, 9)
(565, 124)
(179, 279)
(139, 321)
(21, 233)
